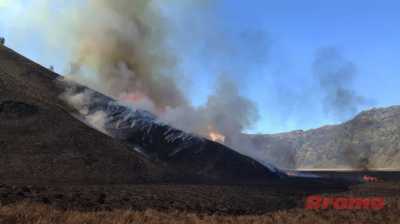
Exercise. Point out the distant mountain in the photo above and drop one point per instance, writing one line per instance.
(45, 140)
(371, 140)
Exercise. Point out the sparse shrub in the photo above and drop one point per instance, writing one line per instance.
(2, 40)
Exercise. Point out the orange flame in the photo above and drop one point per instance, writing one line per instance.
(215, 135)
(367, 178)
(138, 97)
(133, 97)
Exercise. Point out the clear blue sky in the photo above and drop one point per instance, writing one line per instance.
(274, 45)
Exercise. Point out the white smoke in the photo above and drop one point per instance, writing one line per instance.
(97, 120)
(81, 102)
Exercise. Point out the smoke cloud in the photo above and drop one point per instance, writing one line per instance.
(335, 76)
(81, 102)
(226, 112)
(121, 48)
(122, 42)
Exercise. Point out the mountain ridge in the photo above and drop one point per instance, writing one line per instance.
(368, 141)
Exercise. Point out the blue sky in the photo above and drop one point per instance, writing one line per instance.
(271, 49)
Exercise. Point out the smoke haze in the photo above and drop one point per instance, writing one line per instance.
(335, 76)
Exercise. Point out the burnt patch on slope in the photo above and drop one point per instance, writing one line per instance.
(195, 159)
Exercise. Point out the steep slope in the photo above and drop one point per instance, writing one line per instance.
(187, 153)
(41, 142)
(190, 156)
(43, 139)
(371, 140)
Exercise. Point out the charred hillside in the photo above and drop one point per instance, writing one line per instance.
(43, 139)
(191, 157)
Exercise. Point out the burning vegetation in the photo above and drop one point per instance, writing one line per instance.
(133, 65)
(215, 136)
(123, 49)
(367, 178)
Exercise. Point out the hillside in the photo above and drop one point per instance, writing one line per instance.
(369, 141)
(43, 139)
(41, 142)
(192, 158)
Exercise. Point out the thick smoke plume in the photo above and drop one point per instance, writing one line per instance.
(121, 49)
(225, 112)
(335, 76)
(123, 43)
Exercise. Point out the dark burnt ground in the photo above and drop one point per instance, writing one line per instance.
(208, 199)
(283, 194)
(194, 198)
